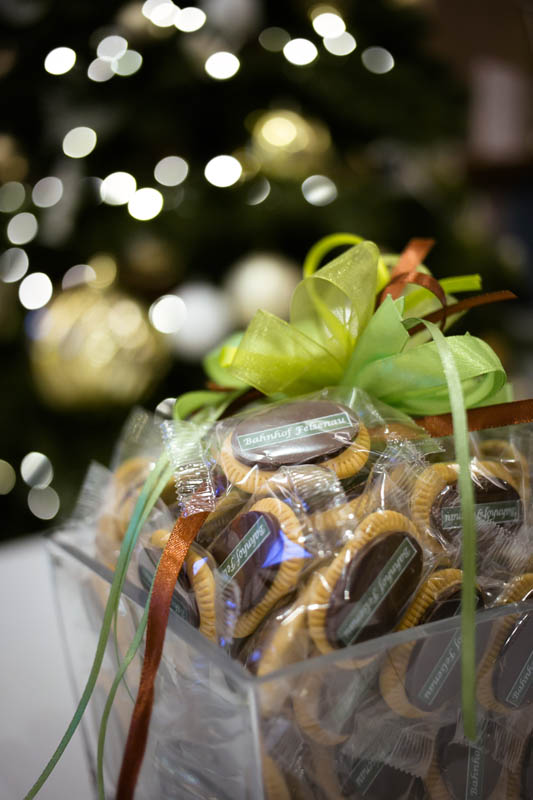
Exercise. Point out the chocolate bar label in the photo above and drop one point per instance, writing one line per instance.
(294, 431)
(442, 670)
(244, 550)
(365, 773)
(522, 684)
(366, 606)
(504, 511)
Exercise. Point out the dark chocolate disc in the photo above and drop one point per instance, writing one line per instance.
(468, 771)
(304, 432)
(183, 601)
(512, 677)
(364, 779)
(368, 599)
(497, 503)
(250, 551)
(433, 675)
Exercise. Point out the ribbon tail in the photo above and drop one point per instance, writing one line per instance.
(466, 493)
(167, 573)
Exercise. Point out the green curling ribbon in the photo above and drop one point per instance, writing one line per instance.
(335, 337)
(466, 495)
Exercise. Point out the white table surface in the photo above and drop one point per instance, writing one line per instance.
(36, 697)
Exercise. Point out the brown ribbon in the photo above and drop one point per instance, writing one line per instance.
(496, 416)
(405, 272)
(464, 305)
(170, 564)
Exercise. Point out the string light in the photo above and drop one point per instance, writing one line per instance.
(377, 60)
(128, 64)
(60, 60)
(22, 228)
(319, 190)
(222, 65)
(118, 188)
(13, 264)
(12, 196)
(35, 290)
(145, 204)
(341, 45)
(329, 24)
(300, 52)
(168, 313)
(223, 171)
(79, 142)
(189, 19)
(171, 171)
(47, 192)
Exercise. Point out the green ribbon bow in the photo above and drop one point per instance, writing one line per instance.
(335, 337)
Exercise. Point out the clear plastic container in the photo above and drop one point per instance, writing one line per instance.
(321, 728)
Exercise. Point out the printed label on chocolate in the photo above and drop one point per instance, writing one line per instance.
(366, 606)
(442, 670)
(243, 551)
(295, 431)
(364, 774)
(475, 774)
(522, 684)
(505, 511)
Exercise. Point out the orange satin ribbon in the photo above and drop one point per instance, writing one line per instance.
(170, 564)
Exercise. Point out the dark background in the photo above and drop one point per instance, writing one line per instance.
(439, 146)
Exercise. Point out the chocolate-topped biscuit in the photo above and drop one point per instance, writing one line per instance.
(506, 678)
(436, 505)
(183, 600)
(465, 770)
(362, 593)
(367, 779)
(419, 677)
(294, 433)
(260, 552)
(526, 772)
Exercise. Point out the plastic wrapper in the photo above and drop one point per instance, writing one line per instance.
(313, 648)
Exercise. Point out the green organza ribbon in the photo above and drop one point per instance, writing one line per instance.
(335, 337)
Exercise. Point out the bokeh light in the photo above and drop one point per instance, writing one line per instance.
(189, 19)
(104, 267)
(341, 45)
(222, 65)
(319, 190)
(300, 52)
(274, 39)
(261, 280)
(258, 192)
(171, 171)
(328, 24)
(145, 204)
(118, 188)
(79, 142)
(12, 195)
(35, 290)
(377, 60)
(111, 48)
(60, 60)
(161, 13)
(13, 264)
(100, 71)
(168, 313)
(8, 477)
(209, 318)
(43, 503)
(223, 171)
(36, 470)
(22, 228)
(47, 192)
(288, 145)
(78, 275)
(128, 64)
